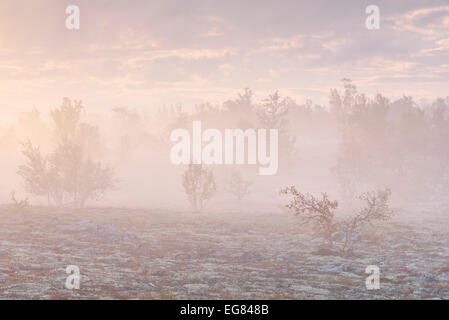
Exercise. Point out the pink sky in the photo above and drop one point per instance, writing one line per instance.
(145, 54)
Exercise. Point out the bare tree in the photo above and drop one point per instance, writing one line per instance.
(273, 111)
(36, 173)
(243, 104)
(199, 184)
(320, 212)
(317, 211)
(76, 176)
(237, 185)
(68, 175)
(273, 114)
(376, 209)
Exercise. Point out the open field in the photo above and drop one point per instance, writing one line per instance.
(155, 254)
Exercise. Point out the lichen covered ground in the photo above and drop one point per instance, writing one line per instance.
(156, 254)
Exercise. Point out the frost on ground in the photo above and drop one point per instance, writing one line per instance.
(151, 254)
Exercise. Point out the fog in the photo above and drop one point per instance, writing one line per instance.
(352, 145)
(224, 150)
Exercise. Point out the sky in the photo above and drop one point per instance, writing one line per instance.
(145, 54)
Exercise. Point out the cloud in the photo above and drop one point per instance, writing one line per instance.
(416, 21)
(336, 45)
(216, 27)
(151, 52)
(226, 69)
(183, 54)
(309, 45)
(431, 24)
(264, 80)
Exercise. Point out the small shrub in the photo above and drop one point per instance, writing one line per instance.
(376, 209)
(237, 185)
(316, 211)
(199, 184)
(320, 213)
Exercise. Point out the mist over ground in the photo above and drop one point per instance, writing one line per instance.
(353, 145)
(97, 98)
